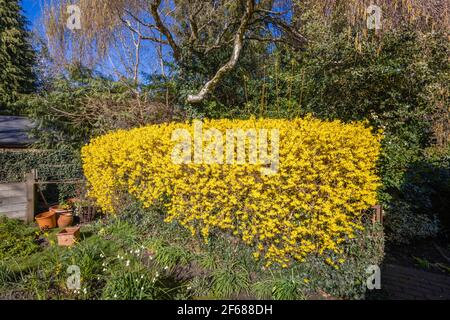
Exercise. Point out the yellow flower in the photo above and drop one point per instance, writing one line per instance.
(311, 205)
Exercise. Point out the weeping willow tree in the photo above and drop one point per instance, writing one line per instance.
(422, 14)
(190, 32)
(100, 25)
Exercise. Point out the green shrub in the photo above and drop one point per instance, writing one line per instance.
(16, 239)
(7, 275)
(399, 81)
(404, 225)
(416, 186)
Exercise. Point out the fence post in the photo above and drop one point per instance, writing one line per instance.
(378, 214)
(30, 180)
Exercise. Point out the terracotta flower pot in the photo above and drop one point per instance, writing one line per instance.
(59, 210)
(73, 201)
(46, 220)
(68, 236)
(65, 219)
(73, 229)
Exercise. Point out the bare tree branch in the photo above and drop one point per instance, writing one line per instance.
(140, 35)
(289, 30)
(237, 47)
(137, 45)
(146, 24)
(164, 30)
(193, 23)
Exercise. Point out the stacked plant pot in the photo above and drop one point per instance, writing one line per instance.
(64, 215)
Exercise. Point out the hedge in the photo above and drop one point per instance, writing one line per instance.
(56, 164)
(311, 205)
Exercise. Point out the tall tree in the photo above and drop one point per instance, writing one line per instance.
(16, 54)
(208, 40)
(193, 32)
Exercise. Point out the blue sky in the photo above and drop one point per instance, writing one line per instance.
(32, 9)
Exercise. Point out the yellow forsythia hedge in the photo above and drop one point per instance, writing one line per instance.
(312, 204)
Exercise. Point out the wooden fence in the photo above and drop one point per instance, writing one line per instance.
(17, 200)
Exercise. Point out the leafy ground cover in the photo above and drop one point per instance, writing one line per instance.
(136, 255)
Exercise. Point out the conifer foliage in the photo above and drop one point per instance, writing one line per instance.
(16, 54)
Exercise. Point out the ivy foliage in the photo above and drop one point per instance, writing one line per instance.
(58, 164)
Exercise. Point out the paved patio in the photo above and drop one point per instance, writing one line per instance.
(404, 283)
